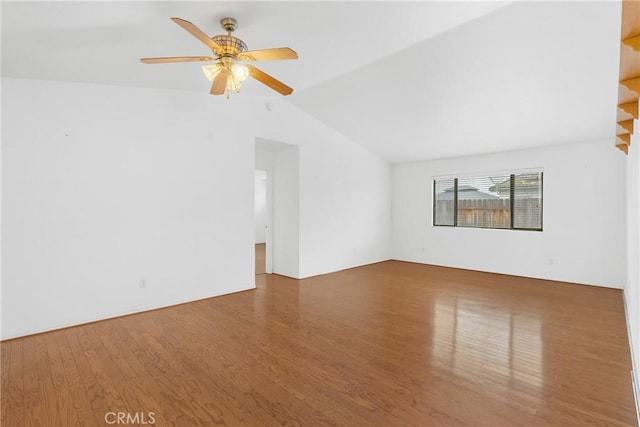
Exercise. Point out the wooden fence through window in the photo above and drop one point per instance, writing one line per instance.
(490, 213)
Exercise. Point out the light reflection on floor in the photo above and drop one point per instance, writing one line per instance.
(480, 343)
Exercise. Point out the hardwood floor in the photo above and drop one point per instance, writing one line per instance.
(261, 258)
(388, 344)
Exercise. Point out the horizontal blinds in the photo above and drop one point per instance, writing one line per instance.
(484, 202)
(527, 201)
(444, 202)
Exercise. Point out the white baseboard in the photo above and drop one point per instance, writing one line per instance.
(635, 393)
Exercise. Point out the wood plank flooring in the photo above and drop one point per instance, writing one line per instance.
(261, 258)
(390, 344)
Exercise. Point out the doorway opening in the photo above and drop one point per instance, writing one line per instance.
(279, 162)
(261, 221)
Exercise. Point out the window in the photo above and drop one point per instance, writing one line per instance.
(505, 201)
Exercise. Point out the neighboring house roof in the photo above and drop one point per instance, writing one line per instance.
(465, 192)
(529, 183)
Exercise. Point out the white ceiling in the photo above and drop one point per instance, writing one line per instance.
(408, 80)
(527, 75)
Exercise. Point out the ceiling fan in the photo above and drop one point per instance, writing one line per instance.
(228, 73)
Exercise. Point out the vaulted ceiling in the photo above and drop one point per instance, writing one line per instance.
(407, 80)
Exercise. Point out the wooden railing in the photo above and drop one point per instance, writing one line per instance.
(629, 88)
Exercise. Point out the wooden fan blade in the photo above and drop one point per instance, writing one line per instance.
(175, 59)
(269, 54)
(266, 79)
(199, 34)
(219, 83)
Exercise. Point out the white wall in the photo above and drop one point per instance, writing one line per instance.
(584, 217)
(109, 189)
(286, 212)
(632, 289)
(117, 200)
(260, 204)
(345, 193)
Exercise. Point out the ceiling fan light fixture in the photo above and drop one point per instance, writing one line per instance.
(240, 72)
(236, 74)
(211, 70)
(233, 84)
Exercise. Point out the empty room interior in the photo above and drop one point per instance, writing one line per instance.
(359, 213)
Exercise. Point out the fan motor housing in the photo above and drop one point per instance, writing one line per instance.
(230, 45)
